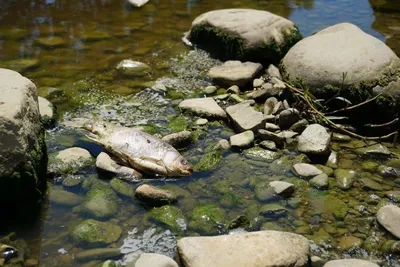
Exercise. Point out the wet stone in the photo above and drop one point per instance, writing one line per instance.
(234, 89)
(320, 181)
(369, 184)
(271, 127)
(201, 122)
(273, 211)
(264, 192)
(349, 242)
(169, 215)
(154, 260)
(258, 153)
(314, 140)
(207, 219)
(242, 140)
(270, 145)
(344, 178)
(389, 216)
(72, 181)
(155, 196)
(282, 188)
(369, 166)
(288, 117)
(393, 196)
(100, 203)
(122, 188)
(299, 126)
(93, 233)
(350, 263)
(337, 137)
(69, 160)
(209, 90)
(132, 68)
(64, 198)
(305, 170)
(51, 42)
(97, 254)
(374, 151)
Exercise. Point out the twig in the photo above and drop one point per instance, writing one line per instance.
(334, 125)
(355, 106)
(383, 124)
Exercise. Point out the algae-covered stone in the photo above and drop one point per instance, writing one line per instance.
(171, 216)
(207, 218)
(393, 195)
(97, 254)
(374, 151)
(349, 242)
(69, 161)
(320, 181)
(209, 161)
(122, 188)
(345, 178)
(131, 68)
(264, 192)
(367, 183)
(244, 34)
(273, 211)
(72, 181)
(93, 233)
(64, 198)
(100, 203)
(328, 206)
(51, 42)
(94, 36)
(23, 153)
(155, 196)
(258, 153)
(369, 166)
(20, 65)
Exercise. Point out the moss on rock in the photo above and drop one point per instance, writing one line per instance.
(207, 218)
(93, 233)
(209, 161)
(171, 216)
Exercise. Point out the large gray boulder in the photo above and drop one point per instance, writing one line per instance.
(322, 58)
(244, 34)
(388, 216)
(263, 248)
(23, 156)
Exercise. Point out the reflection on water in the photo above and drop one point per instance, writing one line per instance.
(75, 69)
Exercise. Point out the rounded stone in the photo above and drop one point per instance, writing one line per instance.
(93, 233)
(155, 196)
(209, 90)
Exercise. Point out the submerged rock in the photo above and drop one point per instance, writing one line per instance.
(348, 242)
(282, 188)
(205, 107)
(98, 254)
(155, 196)
(350, 263)
(235, 73)
(389, 216)
(23, 155)
(374, 151)
(122, 188)
(209, 161)
(344, 178)
(171, 216)
(244, 34)
(263, 248)
(93, 233)
(69, 161)
(131, 68)
(320, 181)
(51, 42)
(19, 65)
(314, 140)
(207, 219)
(64, 198)
(100, 203)
(245, 117)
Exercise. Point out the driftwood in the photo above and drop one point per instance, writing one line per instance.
(309, 102)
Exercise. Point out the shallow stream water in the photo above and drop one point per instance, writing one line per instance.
(79, 77)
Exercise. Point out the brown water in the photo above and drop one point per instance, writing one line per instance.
(79, 77)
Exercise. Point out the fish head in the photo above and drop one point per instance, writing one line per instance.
(177, 165)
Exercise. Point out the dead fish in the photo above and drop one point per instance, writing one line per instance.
(140, 150)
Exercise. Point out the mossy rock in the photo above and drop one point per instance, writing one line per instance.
(93, 233)
(207, 219)
(100, 203)
(20, 65)
(69, 161)
(171, 216)
(122, 188)
(209, 161)
(178, 124)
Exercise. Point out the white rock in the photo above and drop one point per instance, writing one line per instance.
(263, 248)
(389, 217)
(106, 163)
(271, 127)
(258, 83)
(206, 107)
(154, 260)
(201, 122)
(138, 3)
(235, 73)
(46, 110)
(350, 263)
(242, 140)
(314, 140)
(273, 71)
(245, 117)
(73, 154)
(255, 29)
(282, 188)
(306, 170)
(322, 58)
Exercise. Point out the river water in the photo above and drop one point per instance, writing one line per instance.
(79, 77)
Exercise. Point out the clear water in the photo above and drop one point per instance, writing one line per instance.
(79, 78)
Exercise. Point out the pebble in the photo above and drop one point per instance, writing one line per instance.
(201, 122)
(234, 89)
(320, 181)
(258, 83)
(210, 90)
(282, 188)
(270, 145)
(306, 170)
(271, 127)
